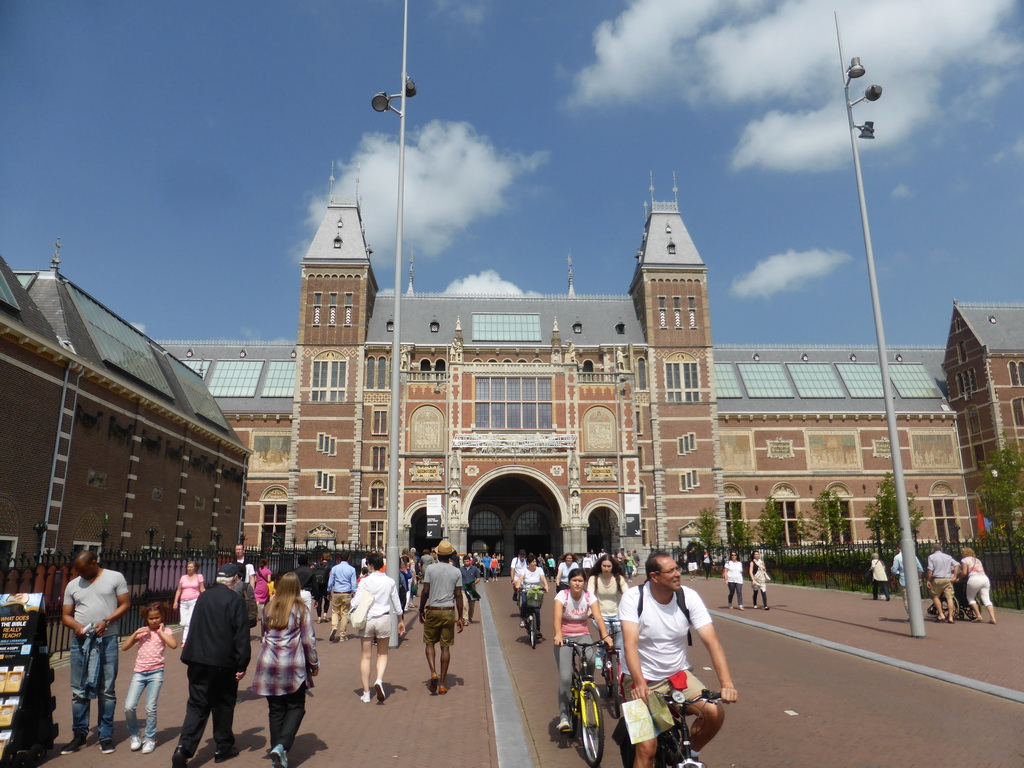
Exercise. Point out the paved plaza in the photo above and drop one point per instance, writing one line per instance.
(825, 678)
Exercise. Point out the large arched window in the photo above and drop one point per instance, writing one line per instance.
(682, 380)
(327, 383)
(641, 373)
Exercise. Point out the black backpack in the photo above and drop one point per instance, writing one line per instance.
(680, 601)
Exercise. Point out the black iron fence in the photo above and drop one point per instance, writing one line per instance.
(845, 566)
(152, 576)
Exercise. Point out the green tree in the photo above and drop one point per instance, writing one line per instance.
(707, 527)
(828, 523)
(883, 514)
(1002, 490)
(771, 528)
(740, 532)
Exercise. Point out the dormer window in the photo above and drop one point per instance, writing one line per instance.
(390, 326)
(620, 327)
(434, 326)
(341, 222)
(337, 241)
(671, 248)
(577, 327)
(668, 229)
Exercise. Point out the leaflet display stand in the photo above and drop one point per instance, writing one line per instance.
(27, 730)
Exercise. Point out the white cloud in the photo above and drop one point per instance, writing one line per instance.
(453, 178)
(487, 282)
(787, 271)
(740, 52)
(1013, 152)
(901, 191)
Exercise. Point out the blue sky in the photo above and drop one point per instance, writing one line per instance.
(182, 152)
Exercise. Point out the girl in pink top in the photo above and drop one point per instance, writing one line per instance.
(149, 673)
(190, 586)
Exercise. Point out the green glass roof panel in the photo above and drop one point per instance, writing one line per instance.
(501, 327)
(198, 395)
(280, 381)
(862, 379)
(119, 343)
(235, 378)
(765, 379)
(6, 294)
(815, 380)
(727, 384)
(912, 380)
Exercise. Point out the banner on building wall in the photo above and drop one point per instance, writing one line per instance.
(632, 514)
(435, 508)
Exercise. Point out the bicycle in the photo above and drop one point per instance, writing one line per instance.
(612, 669)
(674, 747)
(532, 600)
(586, 706)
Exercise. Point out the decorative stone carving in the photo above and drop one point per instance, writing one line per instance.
(472, 470)
(881, 448)
(601, 471)
(599, 429)
(780, 449)
(833, 450)
(427, 471)
(322, 532)
(427, 429)
(557, 470)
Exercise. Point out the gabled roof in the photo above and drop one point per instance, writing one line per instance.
(339, 238)
(815, 379)
(599, 318)
(1000, 327)
(23, 310)
(667, 243)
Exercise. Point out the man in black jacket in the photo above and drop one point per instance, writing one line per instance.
(217, 655)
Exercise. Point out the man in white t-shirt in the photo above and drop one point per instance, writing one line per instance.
(250, 569)
(654, 642)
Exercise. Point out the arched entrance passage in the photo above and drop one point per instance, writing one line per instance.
(601, 525)
(525, 507)
(418, 531)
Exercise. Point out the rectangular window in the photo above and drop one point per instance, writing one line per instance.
(945, 520)
(324, 482)
(326, 444)
(979, 455)
(272, 530)
(677, 311)
(687, 443)
(688, 480)
(235, 378)
(328, 383)
(494, 327)
(1018, 412)
(377, 534)
(518, 402)
(726, 382)
(973, 425)
(317, 301)
(280, 379)
(380, 459)
(377, 498)
(733, 512)
(380, 422)
(639, 422)
(765, 380)
(348, 309)
(790, 520)
(846, 535)
(682, 383)
(662, 313)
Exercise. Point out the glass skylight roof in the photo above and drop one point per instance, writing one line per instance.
(199, 366)
(235, 378)
(6, 294)
(280, 381)
(119, 343)
(912, 380)
(198, 396)
(726, 382)
(815, 380)
(862, 379)
(495, 327)
(765, 379)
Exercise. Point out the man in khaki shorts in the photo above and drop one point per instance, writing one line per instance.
(441, 612)
(939, 579)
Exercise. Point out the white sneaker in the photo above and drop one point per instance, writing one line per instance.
(563, 725)
(365, 698)
(134, 743)
(148, 746)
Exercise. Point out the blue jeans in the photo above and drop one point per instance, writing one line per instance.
(149, 682)
(107, 648)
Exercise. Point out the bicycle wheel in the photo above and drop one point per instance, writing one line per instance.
(593, 726)
(611, 671)
(531, 628)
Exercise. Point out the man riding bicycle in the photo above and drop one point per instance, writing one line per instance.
(654, 641)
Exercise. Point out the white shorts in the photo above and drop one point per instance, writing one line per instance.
(377, 627)
(691, 567)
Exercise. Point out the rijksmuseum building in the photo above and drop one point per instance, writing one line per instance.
(572, 422)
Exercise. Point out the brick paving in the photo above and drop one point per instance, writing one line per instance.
(846, 711)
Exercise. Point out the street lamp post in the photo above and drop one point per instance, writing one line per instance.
(382, 102)
(867, 131)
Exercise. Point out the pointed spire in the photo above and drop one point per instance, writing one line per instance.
(572, 291)
(55, 261)
(330, 194)
(675, 190)
(412, 259)
(652, 189)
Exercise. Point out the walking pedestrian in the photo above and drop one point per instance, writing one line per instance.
(342, 586)
(440, 613)
(190, 586)
(148, 677)
(732, 572)
(261, 592)
(900, 572)
(939, 579)
(977, 583)
(706, 560)
(93, 602)
(321, 600)
(286, 665)
(307, 580)
(470, 597)
(759, 579)
(381, 588)
(217, 657)
(879, 580)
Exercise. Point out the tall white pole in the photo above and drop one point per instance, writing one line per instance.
(395, 417)
(906, 533)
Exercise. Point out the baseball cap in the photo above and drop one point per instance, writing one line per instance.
(230, 569)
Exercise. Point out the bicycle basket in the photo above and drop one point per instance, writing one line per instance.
(534, 597)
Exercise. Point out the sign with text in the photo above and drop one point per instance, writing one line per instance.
(20, 614)
(632, 514)
(435, 508)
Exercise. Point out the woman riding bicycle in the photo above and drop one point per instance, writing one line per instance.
(530, 578)
(608, 585)
(573, 607)
(567, 566)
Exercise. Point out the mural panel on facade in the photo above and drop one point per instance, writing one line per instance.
(833, 450)
(737, 451)
(933, 450)
(271, 452)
